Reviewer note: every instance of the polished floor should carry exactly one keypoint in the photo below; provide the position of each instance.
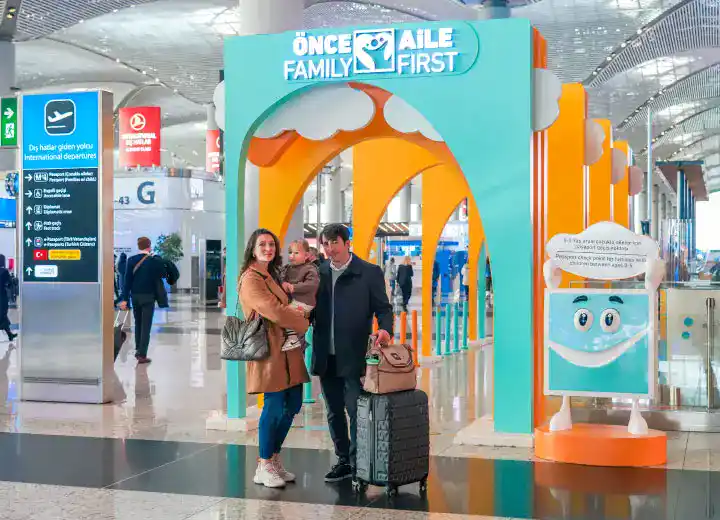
(149, 456)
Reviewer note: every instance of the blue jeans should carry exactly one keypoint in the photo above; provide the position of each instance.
(276, 419)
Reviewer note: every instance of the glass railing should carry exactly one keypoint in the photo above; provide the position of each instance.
(688, 349)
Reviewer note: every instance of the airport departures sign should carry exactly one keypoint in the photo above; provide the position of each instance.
(8, 122)
(59, 192)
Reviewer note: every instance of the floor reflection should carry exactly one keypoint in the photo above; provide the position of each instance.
(463, 486)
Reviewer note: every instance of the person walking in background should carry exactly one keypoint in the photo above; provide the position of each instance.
(464, 281)
(352, 292)
(281, 376)
(404, 281)
(6, 289)
(391, 275)
(316, 258)
(300, 281)
(142, 284)
(435, 281)
(121, 268)
(116, 279)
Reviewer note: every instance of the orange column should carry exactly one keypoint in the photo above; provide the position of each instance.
(443, 188)
(538, 213)
(566, 166)
(621, 190)
(564, 197)
(600, 186)
(477, 237)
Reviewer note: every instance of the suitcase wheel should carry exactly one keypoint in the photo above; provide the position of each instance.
(423, 486)
(392, 491)
(359, 486)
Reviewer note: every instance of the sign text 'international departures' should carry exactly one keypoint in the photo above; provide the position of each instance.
(139, 136)
(60, 187)
(421, 51)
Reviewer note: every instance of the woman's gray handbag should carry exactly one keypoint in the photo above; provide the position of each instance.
(245, 340)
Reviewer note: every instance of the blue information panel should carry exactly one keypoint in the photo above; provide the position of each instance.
(59, 196)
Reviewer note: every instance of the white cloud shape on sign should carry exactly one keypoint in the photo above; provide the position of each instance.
(604, 251)
(619, 165)
(636, 180)
(219, 101)
(594, 138)
(547, 89)
(320, 113)
(404, 118)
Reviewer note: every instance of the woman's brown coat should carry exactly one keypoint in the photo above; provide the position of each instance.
(282, 370)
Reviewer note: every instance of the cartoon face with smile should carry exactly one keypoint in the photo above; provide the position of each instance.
(598, 335)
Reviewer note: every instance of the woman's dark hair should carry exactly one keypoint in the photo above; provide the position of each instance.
(249, 258)
(2, 260)
(335, 231)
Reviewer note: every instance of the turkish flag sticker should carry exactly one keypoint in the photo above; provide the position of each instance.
(40, 254)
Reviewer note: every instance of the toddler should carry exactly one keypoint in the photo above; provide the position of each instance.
(300, 280)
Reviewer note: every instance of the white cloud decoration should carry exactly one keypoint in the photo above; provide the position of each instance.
(594, 138)
(320, 113)
(619, 165)
(219, 101)
(604, 251)
(547, 89)
(407, 120)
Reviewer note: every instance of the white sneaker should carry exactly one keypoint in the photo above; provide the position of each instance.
(266, 474)
(284, 474)
(291, 343)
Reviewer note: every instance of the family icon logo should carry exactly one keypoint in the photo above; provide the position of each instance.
(373, 51)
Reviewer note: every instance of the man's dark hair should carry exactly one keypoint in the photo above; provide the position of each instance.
(144, 243)
(335, 231)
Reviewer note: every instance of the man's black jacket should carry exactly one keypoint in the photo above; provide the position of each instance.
(359, 295)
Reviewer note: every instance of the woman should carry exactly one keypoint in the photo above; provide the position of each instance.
(391, 275)
(404, 281)
(5, 289)
(281, 376)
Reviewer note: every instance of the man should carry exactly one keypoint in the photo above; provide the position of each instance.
(143, 283)
(351, 292)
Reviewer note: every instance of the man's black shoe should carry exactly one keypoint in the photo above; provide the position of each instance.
(339, 472)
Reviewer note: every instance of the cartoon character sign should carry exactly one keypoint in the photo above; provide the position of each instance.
(601, 342)
(598, 342)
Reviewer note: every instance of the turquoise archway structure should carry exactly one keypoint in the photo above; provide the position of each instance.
(479, 99)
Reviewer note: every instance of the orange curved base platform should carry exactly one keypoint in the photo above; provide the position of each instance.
(601, 445)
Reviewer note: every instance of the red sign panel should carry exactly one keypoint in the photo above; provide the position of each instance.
(212, 151)
(40, 254)
(139, 136)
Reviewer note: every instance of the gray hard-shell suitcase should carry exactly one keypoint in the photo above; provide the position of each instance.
(393, 440)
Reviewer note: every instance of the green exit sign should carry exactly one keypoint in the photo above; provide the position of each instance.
(8, 122)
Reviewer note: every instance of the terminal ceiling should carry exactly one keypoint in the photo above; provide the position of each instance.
(634, 56)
